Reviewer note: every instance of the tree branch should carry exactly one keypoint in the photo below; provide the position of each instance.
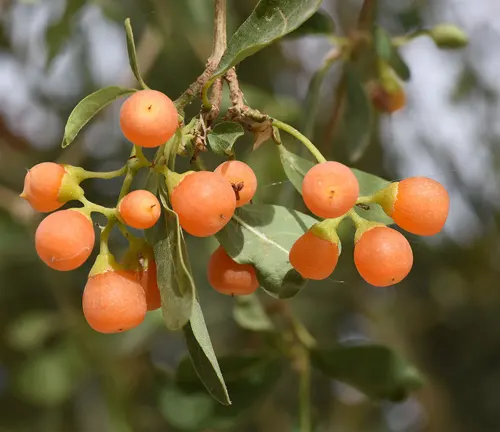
(218, 48)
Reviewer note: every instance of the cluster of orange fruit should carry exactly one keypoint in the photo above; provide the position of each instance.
(117, 296)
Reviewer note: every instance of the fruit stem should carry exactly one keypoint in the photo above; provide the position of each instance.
(103, 244)
(96, 208)
(359, 222)
(84, 174)
(302, 138)
(367, 199)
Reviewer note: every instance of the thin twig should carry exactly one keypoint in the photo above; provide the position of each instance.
(235, 93)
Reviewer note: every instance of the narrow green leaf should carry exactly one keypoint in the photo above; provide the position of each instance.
(390, 54)
(357, 115)
(269, 21)
(296, 167)
(88, 107)
(320, 23)
(132, 55)
(203, 356)
(57, 34)
(250, 315)
(375, 370)
(175, 280)
(262, 235)
(223, 137)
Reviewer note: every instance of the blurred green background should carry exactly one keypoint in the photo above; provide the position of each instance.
(57, 375)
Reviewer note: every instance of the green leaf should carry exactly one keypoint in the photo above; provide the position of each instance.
(185, 411)
(262, 235)
(269, 21)
(31, 330)
(132, 55)
(88, 107)
(175, 280)
(296, 167)
(320, 23)
(223, 136)
(250, 315)
(368, 185)
(390, 54)
(373, 369)
(58, 33)
(357, 114)
(203, 356)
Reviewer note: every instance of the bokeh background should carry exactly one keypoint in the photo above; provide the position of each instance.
(57, 375)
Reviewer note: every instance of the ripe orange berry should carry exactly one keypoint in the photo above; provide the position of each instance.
(139, 209)
(242, 180)
(419, 205)
(314, 257)
(330, 189)
(41, 186)
(149, 283)
(383, 256)
(228, 277)
(114, 301)
(65, 239)
(204, 202)
(148, 118)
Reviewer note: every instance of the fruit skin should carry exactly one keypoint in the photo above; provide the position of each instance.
(330, 189)
(149, 283)
(383, 256)
(242, 179)
(388, 101)
(228, 277)
(204, 201)
(419, 205)
(314, 257)
(47, 186)
(114, 301)
(139, 209)
(148, 118)
(65, 239)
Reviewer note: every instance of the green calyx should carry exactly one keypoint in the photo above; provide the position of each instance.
(386, 197)
(172, 179)
(104, 262)
(70, 185)
(327, 230)
(448, 36)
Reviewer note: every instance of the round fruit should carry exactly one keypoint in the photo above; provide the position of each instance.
(41, 186)
(65, 239)
(149, 283)
(388, 101)
(242, 180)
(139, 209)
(330, 189)
(148, 118)
(419, 205)
(114, 301)
(314, 257)
(204, 202)
(228, 277)
(383, 256)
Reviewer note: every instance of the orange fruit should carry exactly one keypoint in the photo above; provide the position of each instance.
(149, 282)
(114, 301)
(419, 205)
(148, 118)
(383, 256)
(330, 189)
(205, 203)
(139, 209)
(41, 186)
(314, 257)
(65, 239)
(229, 277)
(242, 180)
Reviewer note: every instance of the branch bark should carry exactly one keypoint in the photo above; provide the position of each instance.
(218, 47)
